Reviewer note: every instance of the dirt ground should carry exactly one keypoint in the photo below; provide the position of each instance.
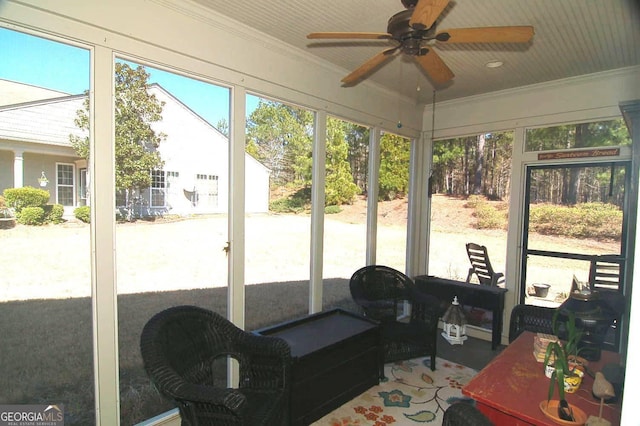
(54, 261)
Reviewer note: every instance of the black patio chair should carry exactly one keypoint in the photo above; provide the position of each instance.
(381, 292)
(537, 319)
(185, 347)
(464, 414)
(481, 266)
(606, 272)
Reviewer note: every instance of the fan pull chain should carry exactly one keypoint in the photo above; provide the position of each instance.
(433, 116)
(399, 125)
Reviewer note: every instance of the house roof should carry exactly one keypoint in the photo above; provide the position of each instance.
(48, 121)
(15, 93)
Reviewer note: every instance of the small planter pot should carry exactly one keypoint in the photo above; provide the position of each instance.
(572, 381)
(7, 222)
(550, 409)
(542, 290)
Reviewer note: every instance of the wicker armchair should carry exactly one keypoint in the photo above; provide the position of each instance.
(381, 292)
(533, 318)
(463, 414)
(185, 350)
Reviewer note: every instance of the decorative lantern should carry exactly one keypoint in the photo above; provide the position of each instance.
(455, 324)
(42, 180)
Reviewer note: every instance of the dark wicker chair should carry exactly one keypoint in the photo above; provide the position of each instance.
(381, 292)
(481, 266)
(532, 318)
(185, 350)
(464, 414)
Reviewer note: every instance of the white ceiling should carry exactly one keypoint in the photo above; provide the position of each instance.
(572, 38)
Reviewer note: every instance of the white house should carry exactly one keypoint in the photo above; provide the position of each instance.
(34, 135)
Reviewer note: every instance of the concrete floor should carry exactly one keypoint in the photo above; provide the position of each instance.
(474, 353)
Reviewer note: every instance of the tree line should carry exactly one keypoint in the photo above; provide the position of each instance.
(481, 165)
(478, 165)
(280, 136)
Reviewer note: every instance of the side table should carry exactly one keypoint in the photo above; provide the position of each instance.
(510, 388)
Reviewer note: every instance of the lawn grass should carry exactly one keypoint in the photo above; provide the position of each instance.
(47, 355)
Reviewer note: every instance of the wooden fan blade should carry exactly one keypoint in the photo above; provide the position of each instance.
(435, 67)
(426, 12)
(364, 36)
(487, 35)
(368, 66)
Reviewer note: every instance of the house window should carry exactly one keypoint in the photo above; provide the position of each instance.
(64, 184)
(121, 198)
(82, 186)
(158, 188)
(207, 190)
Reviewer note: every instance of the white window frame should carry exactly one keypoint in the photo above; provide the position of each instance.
(61, 185)
(159, 191)
(83, 185)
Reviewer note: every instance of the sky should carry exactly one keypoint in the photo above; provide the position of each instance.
(52, 65)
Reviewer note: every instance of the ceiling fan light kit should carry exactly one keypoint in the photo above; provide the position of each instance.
(494, 64)
(414, 30)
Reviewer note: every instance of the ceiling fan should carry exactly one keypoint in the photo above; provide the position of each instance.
(415, 32)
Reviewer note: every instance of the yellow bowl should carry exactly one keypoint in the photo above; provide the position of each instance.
(572, 383)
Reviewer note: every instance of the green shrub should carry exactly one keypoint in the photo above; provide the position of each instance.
(549, 219)
(282, 205)
(296, 203)
(2, 202)
(588, 220)
(340, 190)
(474, 200)
(31, 216)
(83, 213)
(489, 217)
(28, 196)
(53, 213)
(332, 210)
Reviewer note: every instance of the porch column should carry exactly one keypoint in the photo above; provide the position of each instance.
(18, 169)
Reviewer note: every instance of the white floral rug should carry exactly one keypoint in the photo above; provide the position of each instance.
(411, 393)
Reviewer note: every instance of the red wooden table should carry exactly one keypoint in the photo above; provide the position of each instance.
(510, 388)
